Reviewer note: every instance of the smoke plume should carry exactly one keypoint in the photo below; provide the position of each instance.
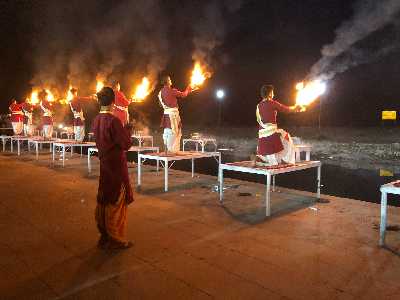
(79, 41)
(370, 17)
(209, 28)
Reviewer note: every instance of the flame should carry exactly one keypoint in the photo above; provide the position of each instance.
(307, 93)
(50, 96)
(69, 94)
(198, 76)
(142, 90)
(99, 85)
(34, 99)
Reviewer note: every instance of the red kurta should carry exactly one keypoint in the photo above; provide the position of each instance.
(16, 112)
(46, 108)
(121, 107)
(76, 107)
(268, 110)
(27, 108)
(112, 140)
(169, 97)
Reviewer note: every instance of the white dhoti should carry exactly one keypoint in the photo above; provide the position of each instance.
(79, 133)
(287, 155)
(18, 127)
(171, 140)
(29, 129)
(48, 131)
(172, 136)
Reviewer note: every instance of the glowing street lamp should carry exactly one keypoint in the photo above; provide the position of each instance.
(220, 94)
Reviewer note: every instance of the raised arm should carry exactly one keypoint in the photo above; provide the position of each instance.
(183, 94)
(287, 109)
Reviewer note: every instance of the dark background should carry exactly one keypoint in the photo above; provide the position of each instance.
(262, 42)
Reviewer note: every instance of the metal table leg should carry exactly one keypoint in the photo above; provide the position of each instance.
(63, 154)
(166, 175)
(268, 197)
(192, 167)
(383, 218)
(139, 178)
(88, 162)
(221, 184)
(37, 150)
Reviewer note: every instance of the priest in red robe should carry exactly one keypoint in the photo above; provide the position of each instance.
(47, 117)
(115, 191)
(17, 117)
(76, 106)
(29, 128)
(121, 104)
(171, 120)
(275, 146)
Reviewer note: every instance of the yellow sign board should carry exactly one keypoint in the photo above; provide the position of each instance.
(385, 173)
(389, 115)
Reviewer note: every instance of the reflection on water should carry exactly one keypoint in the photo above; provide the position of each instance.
(360, 184)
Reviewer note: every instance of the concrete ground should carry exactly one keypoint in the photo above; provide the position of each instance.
(187, 246)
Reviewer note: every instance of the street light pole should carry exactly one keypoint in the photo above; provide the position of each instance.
(219, 113)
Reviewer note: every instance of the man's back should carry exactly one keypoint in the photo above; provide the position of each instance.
(110, 135)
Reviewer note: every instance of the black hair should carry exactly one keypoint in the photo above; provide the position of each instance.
(106, 96)
(73, 90)
(265, 90)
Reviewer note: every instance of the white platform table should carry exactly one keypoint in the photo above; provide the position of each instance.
(165, 159)
(389, 188)
(4, 139)
(64, 145)
(200, 141)
(142, 138)
(299, 148)
(40, 141)
(137, 149)
(18, 139)
(248, 167)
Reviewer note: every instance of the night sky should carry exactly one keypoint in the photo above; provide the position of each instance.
(246, 43)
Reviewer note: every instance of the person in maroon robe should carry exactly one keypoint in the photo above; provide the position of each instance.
(121, 104)
(274, 145)
(17, 117)
(76, 106)
(47, 117)
(171, 120)
(29, 128)
(114, 191)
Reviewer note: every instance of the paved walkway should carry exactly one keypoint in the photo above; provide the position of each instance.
(186, 245)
